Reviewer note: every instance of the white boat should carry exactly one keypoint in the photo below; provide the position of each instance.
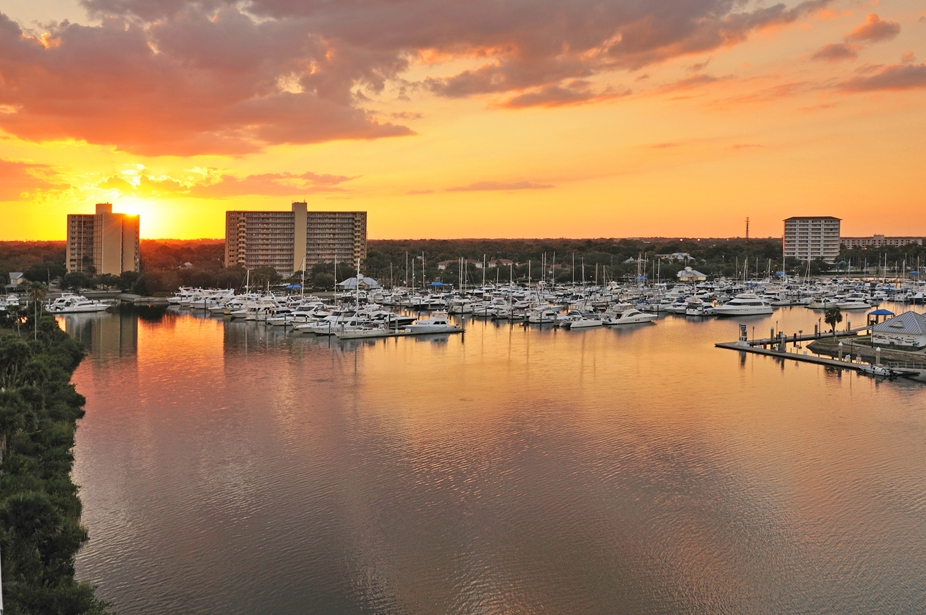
(822, 303)
(438, 323)
(586, 322)
(77, 304)
(853, 301)
(630, 316)
(744, 304)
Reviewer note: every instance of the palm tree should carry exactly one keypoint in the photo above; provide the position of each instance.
(37, 293)
(832, 317)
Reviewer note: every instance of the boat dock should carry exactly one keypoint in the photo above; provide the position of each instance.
(776, 347)
(798, 337)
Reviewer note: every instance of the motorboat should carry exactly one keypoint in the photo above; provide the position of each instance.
(586, 322)
(629, 316)
(77, 304)
(438, 323)
(744, 304)
(853, 301)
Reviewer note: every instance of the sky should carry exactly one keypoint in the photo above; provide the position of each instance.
(450, 119)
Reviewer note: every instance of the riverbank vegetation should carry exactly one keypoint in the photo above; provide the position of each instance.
(40, 530)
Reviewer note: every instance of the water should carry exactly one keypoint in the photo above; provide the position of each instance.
(227, 468)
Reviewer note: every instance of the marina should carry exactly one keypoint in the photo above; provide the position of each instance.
(301, 472)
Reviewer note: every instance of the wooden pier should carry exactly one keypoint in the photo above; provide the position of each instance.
(846, 363)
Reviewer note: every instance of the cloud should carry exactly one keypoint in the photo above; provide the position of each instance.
(698, 67)
(24, 178)
(494, 185)
(874, 30)
(413, 192)
(191, 85)
(690, 83)
(827, 14)
(908, 58)
(894, 78)
(741, 146)
(221, 186)
(577, 93)
(820, 107)
(191, 77)
(837, 52)
(665, 145)
(269, 184)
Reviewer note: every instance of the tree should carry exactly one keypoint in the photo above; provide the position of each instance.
(74, 281)
(37, 294)
(832, 317)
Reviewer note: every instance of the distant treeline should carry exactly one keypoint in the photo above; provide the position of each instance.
(40, 530)
(169, 264)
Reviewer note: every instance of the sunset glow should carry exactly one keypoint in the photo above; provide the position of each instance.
(472, 119)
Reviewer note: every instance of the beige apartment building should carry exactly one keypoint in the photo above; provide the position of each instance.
(879, 241)
(103, 242)
(285, 239)
(809, 238)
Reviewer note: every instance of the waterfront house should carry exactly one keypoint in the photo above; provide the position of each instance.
(690, 275)
(907, 330)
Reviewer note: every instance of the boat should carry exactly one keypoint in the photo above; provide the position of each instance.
(586, 322)
(744, 304)
(77, 304)
(629, 316)
(438, 323)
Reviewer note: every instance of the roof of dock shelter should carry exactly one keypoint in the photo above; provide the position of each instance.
(365, 282)
(909, 323)
(881, 312)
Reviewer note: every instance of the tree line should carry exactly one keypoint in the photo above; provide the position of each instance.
(168, 264)
(40, 530)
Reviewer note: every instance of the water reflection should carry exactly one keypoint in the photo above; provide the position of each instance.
(232, 467)
(106, 335)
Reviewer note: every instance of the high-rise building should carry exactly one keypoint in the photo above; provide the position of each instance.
(879, 241)
(809, 238)
(285, 239)
(103, 242)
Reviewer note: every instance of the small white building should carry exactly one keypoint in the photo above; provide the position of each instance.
(907, 330)
(690, 275)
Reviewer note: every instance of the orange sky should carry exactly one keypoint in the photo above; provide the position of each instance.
(442, 118)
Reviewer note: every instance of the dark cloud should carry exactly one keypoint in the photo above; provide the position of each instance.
(494, 185)
(19, 178)
(698, 67)
(556, 96)
(690, 83)
(836, 52)
(895, 77)
(874, 30)
(186, 77)
(192, 85)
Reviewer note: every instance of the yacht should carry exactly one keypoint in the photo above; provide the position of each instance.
(586, 322)
(744, 304)
(438, 323)
(629, 316)
(76, 304)
(853, 301)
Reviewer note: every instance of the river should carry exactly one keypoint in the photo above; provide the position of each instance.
(231, 468)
